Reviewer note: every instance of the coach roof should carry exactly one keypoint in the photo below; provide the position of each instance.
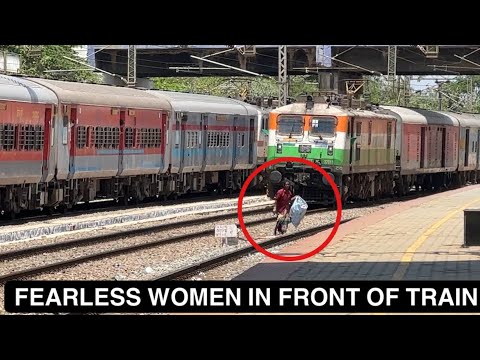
(204, 103)
(93, 94)
(421, 116)
(20, 89)
(465, 119)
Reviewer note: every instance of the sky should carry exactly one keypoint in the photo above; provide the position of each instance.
(428, 82)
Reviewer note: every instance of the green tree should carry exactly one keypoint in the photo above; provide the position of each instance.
(36, 60)
(380, 91)
(235, 87)
(459, 94)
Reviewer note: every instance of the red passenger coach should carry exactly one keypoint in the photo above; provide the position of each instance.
(144, 146)
(426, 148)
(22, 141)
(26, 111)
(111, 144)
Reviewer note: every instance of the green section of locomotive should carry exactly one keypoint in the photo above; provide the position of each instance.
(309, 183)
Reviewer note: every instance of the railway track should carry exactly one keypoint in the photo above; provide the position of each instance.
(107, 205)
(122, 250)
(190, 270)
(7, 255)
(165, 240)
(233, 255)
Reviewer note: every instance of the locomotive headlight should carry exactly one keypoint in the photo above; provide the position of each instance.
(330, 150)
(324, 179)
(279, 148)
(276, 176)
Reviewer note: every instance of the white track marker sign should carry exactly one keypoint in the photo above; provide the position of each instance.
(228, 234)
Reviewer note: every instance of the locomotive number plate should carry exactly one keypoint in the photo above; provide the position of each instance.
(304, 148)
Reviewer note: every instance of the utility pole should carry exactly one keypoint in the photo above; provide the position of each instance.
(440, 97)
(282, 75)
(440, 94)
(406, 86)
(392, 68)
(132, 66)
(470, 93)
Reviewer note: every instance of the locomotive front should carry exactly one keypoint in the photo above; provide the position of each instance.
(313, 131)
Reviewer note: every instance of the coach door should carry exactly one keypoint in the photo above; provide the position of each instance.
(444, 145)
(46, 137)
(163, 135)
(351, 139)
(73, 134)
(204, 130)
(251, 139)
(121, 142)
(358, 141)
(182, 130)
(422, 147)
(233, 144)
(467, 146)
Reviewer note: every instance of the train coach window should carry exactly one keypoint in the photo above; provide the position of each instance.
(115, 137)
(27, 138)
(192, 139)
(144, 138)
(107, 137)
(7, 137)
(291, 125)
(39, 137)
(99, 137)
(157, 141)
(128, 138)
(241, 140)
(148, 138)
(81, 137)
(90, 136)
(210, 139)
(322, 126)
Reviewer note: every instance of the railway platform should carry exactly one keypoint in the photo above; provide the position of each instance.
(419, 239)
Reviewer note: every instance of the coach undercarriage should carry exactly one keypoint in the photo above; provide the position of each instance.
(63, 195)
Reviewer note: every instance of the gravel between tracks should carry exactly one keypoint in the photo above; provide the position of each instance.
(17, 264)
(150, 263)
(48, 227)
(17, 245)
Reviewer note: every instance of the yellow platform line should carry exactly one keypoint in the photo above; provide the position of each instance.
(408, 255)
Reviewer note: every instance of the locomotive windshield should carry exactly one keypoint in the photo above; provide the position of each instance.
(323, 126)
(291, 125)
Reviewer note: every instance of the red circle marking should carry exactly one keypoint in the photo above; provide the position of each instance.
(337, 198)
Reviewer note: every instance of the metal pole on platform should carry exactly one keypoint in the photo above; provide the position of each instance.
(132, 66)
(282, 75)
(392, 68)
